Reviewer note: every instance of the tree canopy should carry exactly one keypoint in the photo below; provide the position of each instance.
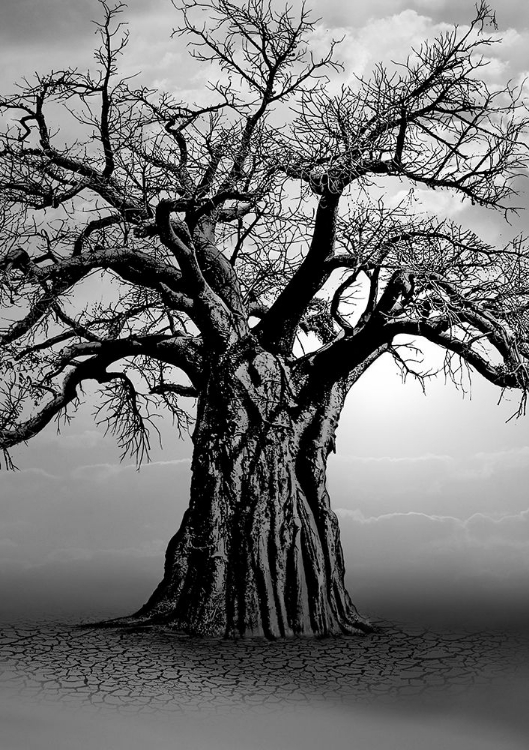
(141, 236)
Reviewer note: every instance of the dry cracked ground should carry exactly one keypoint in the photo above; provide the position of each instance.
(70, 688)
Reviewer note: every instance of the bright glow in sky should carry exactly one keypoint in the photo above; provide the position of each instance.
(423, 483)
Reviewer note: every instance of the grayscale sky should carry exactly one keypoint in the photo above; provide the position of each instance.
(431, 489)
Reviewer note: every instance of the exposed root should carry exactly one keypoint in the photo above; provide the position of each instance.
(164, 623)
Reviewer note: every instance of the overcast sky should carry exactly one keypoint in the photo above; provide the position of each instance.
(430, 490)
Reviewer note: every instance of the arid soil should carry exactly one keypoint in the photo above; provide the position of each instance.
(401, 680)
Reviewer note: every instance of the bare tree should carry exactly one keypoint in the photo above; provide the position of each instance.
(222, 239)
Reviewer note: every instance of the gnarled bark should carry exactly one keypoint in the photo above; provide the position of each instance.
(258, 552)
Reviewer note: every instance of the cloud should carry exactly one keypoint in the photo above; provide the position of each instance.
(59, 34)
(98, 472)
(7, 544)
(384, 39)
(442, 204)
(487, 464)
(430, 545)
(509, 13)
(103, 472)
(404, 460)
(399, 565)
(42, 23)
(93, 509)
(18, 486)
(430, 4)
(81, 441)
(31, 474)
(435, 484)
(438, 569)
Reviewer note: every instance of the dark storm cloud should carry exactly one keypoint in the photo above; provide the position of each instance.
(40, 36)
(57, 34)
(48, 23)
(26, 22)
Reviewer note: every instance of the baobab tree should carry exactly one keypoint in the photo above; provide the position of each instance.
(239, 251)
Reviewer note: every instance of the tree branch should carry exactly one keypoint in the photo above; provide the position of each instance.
(277, 329)
(217, 323)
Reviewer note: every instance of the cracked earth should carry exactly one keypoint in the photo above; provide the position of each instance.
(403, 669)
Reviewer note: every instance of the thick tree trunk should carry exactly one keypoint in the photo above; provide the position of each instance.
(258, 552)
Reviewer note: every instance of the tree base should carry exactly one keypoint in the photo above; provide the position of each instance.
(362, 627)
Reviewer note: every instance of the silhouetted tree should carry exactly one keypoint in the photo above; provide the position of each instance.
(215, 242)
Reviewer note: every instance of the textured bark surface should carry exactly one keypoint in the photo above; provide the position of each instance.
(258, 552)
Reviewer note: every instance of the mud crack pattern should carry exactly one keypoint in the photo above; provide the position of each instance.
(151, 671)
